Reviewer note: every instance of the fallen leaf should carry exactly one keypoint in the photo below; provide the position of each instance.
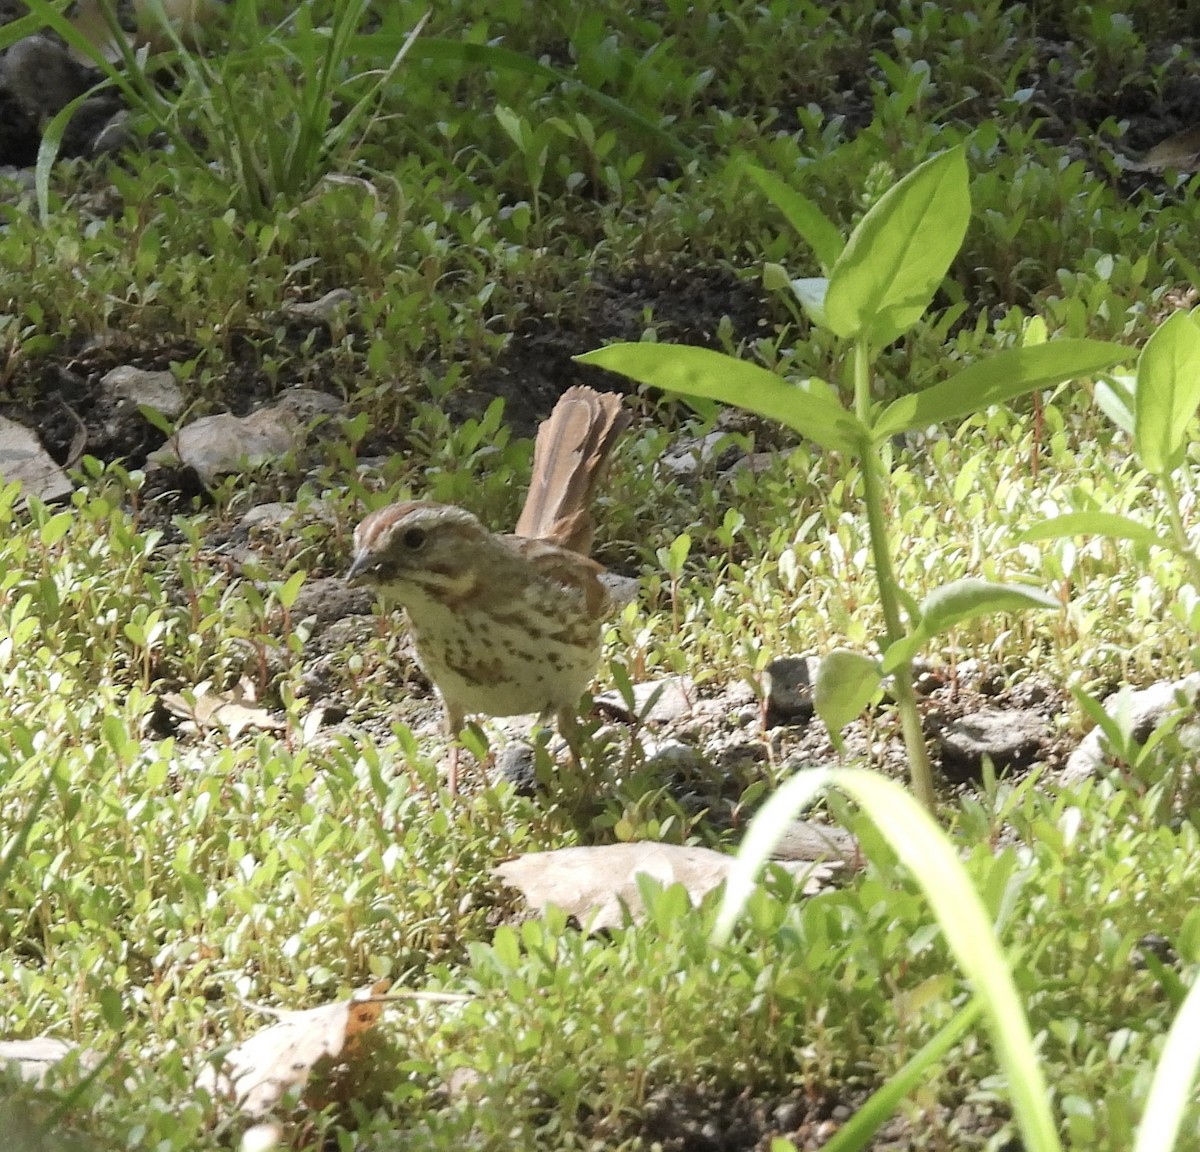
(1180, 152)
(597, 884)
(259, 1072)
(331, 307)
(233, 711)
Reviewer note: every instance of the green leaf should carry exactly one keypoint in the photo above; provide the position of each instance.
(485, 56)
(846, 681)
(1096, 524)
(18, 29)
(1171, 1088)
(1001, 377)
(1114, 395)
(959, 601)
(897, 256)
(1168, 390)
(811, 408)
(1119, 741)
(933, 859)
(512, 125)
(112, 1010)
(775, 277)
(49, 147)
(817, 230)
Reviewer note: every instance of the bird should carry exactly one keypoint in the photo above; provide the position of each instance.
(507, 624)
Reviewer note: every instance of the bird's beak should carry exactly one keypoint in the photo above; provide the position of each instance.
(358, 569)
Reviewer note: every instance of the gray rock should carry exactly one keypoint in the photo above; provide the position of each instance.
(18, 180)
(217, 445)
(692, 454)
(157, 390)
(1010, 739)
(805, 840)
(671, 757)
(42, 75)
(672, 701)
(789, 683)
(330, 598)
(115, 136)
(516, 763)
(1145, 709)
(23, 458)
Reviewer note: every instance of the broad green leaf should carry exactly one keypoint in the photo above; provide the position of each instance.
(811, 292)
(1114, 395)
(1095, 524)
(1171, 1088)
(1010, 373)
(810, 408)
(23, 831)
(511, 123)
(1168, 390)
(775, 277)
(897, 256)
(846, 681)
(816, 229)
(957, 602)
(928, 853)
(1035, 332)
(1108, 723)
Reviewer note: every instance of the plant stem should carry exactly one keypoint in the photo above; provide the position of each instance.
(1178, 530)
(862, 380)
(885, 576)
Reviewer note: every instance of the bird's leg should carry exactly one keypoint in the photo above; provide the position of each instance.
(454, 727)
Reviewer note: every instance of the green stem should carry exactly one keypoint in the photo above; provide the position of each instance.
(1178, 530)
(862, 381)
(885, 576)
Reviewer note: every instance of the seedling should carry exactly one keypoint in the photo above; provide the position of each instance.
(877, 286)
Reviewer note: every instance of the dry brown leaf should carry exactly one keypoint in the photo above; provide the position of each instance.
(595, 884)
(1180, 152)
(261, 1070)
(234, 710)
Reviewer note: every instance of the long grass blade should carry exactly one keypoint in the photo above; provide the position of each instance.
(928, 853)
(856, 1133)
(1171, 1088)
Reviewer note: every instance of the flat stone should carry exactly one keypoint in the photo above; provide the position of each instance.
(157, 390)
(1009, 738)
(23, 458)
(1143, 709)
(673, 700)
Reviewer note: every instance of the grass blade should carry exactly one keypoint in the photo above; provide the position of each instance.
(1171, 1088)
(882, 1104)
(928, 853)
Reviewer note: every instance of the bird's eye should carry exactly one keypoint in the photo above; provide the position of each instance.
(414, 539)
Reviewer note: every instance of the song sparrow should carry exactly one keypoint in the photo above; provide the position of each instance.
(505, 625)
